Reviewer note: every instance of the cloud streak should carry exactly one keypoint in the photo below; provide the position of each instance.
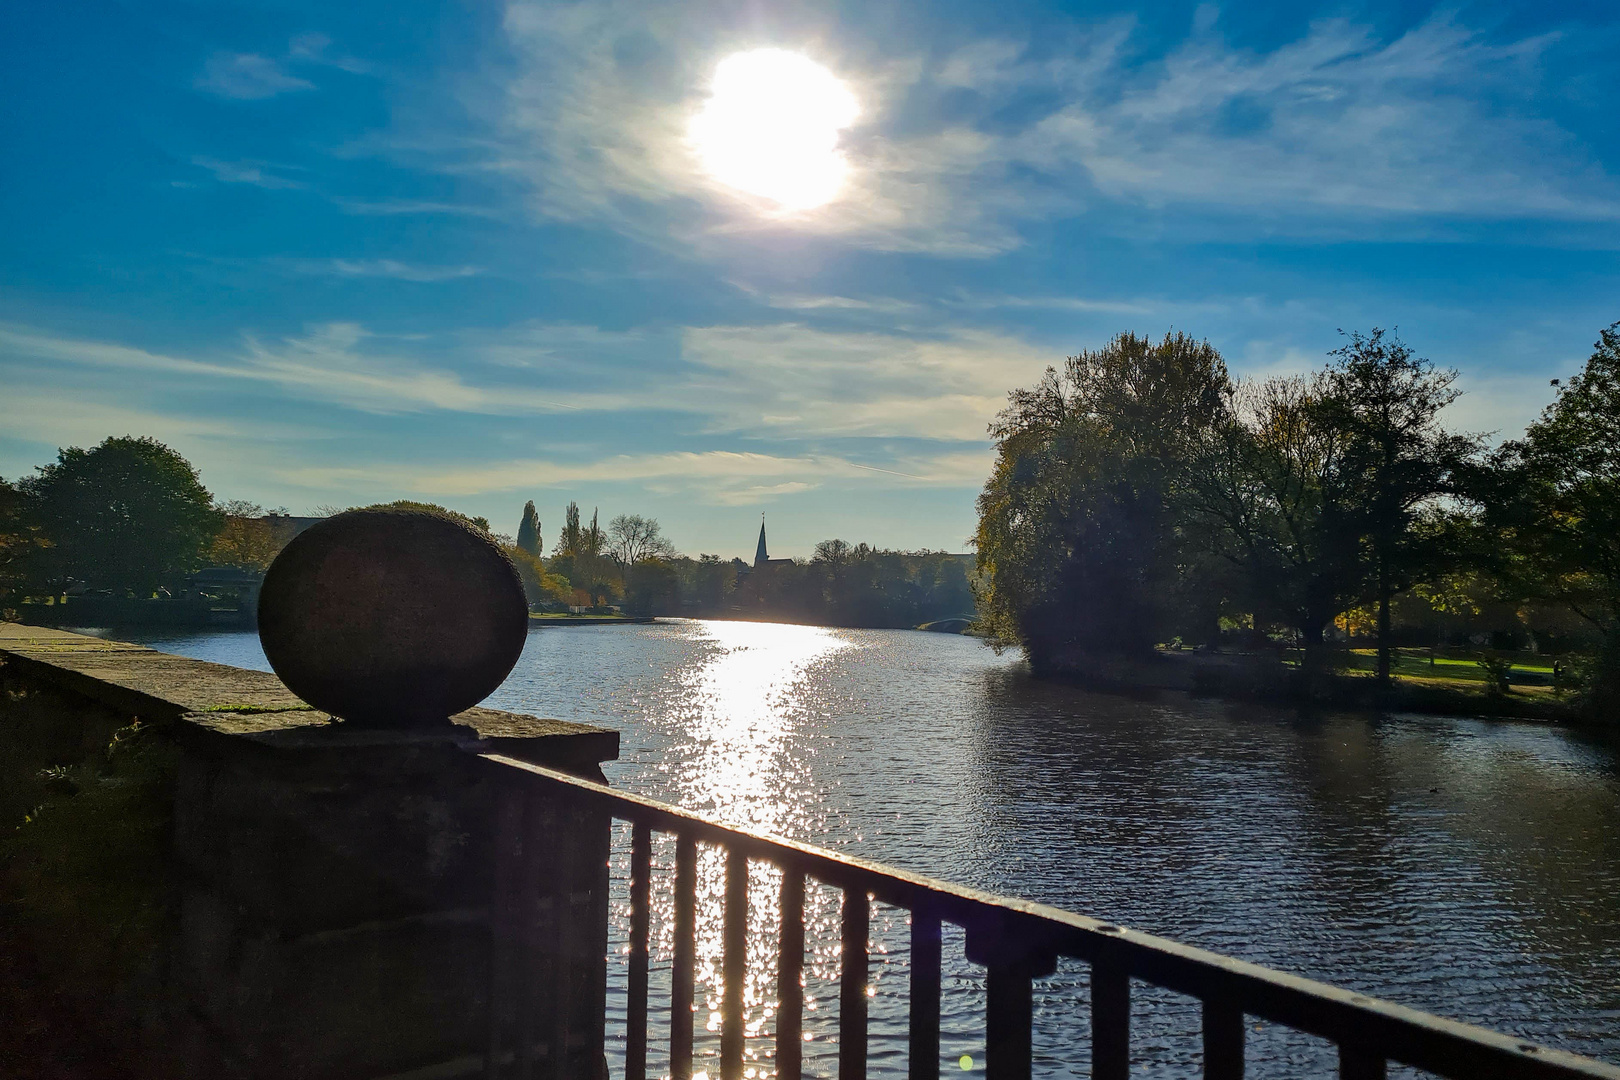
(719, 477)
(247, 77)
(328, 365)
(957, 154)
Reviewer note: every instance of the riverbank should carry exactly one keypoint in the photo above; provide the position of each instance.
(539, 618)
(1452, 690)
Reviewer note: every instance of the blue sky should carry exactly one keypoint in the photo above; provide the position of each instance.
(341, 253)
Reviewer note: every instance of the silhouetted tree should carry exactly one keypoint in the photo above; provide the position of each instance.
(1396, 459)
(129, 514)
(1269, 496)
(633, 539)
(528, 534)
(1554, 515)
(21, 540)
(1079, 540)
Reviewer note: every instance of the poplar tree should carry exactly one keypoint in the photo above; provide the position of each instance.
(528, 534)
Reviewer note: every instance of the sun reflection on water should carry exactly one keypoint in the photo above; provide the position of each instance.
(743, 705)
(744, 718)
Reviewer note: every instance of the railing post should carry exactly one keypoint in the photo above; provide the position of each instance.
(852, 986)
(1358, 1063)
(681, 976)
(735, 966)
(635, 1013)
(789, 967)
(1007, 1020)
(1110, 1021)
(1013, 958)
(925, 945)
(1223, 1042)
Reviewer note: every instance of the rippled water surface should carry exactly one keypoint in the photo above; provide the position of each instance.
(1463, 867)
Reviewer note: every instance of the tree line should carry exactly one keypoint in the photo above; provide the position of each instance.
(131, 518)
(1142, 495)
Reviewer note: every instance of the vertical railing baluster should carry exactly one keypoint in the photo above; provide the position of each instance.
(852, 987)
(680, 979)
(504, 925)
(635, 1012)
(1110, 1022)
(563, 973)
(924, 1063)
(1223, 1042)
(529, 918)
(734, 963)
(1007, 1021)
(789, 969)
(1356, 1063)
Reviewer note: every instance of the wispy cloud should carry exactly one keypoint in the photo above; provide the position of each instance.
(335, 364)
(720, 477)
(45, 414)
(958, 153)
(381, 268)
(254, 77)
(247, 77)
(316, 48)
(794, 379)
(779, 381)
(391, 207)
(256, 173)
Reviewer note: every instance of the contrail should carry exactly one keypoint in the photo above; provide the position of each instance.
(891, 472)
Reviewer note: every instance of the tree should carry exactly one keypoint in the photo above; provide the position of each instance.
(129, 514)
(1396, 459)
(246, 540)
(1556, 515)
(581, 555)
(1267, 488)
(21, 540)
(528, 535)
(633, 539)
(1080, 545)
(832, 552)
(540, 587)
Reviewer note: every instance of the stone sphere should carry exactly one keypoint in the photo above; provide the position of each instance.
(392, 617)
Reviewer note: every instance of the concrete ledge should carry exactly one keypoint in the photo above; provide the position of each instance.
(258, 707)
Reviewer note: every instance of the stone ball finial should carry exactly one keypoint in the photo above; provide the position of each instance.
(392, 617)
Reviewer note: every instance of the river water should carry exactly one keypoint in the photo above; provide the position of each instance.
(1464, 867)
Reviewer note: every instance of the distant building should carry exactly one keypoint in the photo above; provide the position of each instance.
(762, 557)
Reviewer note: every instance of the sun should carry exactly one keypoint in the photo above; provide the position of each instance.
(771, 128)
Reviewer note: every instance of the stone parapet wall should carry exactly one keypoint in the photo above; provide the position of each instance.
(329, 888)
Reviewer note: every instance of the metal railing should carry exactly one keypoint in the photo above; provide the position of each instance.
(1017, 941)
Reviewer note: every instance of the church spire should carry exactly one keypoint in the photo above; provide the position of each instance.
(761, 556)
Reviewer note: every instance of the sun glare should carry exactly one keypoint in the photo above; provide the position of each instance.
(771, 128)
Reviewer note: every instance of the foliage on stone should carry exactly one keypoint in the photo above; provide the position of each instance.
(479, 523)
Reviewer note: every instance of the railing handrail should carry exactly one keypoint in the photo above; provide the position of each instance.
(1445, 1047)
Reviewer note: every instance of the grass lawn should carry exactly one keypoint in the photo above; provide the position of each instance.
(1460, 674)
(544, 615)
